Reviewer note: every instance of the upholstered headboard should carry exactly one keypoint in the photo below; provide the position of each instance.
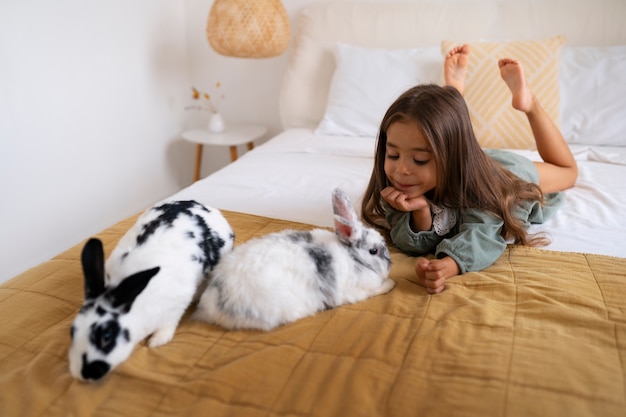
(427, 23)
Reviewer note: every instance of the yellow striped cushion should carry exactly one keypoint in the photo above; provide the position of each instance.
(496, 123)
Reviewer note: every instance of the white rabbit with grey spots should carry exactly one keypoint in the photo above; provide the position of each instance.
(288, 275)
(147, 283)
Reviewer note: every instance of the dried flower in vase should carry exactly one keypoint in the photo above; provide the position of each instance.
(207, 102)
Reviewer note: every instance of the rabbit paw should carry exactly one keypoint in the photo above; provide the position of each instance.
(161, 336)
(387, 286)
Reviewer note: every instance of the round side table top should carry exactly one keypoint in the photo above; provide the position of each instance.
(232, 136)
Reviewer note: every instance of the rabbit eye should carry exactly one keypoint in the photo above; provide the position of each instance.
(105, 335)
(374, 251)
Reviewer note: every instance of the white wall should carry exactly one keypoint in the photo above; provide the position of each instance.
(91, 94)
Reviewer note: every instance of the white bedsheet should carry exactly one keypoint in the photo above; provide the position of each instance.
(291, 177)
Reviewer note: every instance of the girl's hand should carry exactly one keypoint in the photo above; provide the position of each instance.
(433, 273)
(402, 202)
(417, 206)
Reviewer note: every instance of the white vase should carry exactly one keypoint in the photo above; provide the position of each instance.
(216, 123)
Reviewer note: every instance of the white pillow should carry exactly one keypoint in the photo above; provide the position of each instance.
(593, 95)
(366, 81)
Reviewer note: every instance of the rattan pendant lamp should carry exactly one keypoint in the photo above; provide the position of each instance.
(248, 28)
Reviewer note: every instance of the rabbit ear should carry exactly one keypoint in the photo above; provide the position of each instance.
(125, 293)
(92, 259)
(347, 225)
(342, 206)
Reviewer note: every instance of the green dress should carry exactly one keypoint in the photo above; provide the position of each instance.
(474, 241)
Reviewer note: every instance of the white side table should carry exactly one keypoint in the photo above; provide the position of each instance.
(233, 136)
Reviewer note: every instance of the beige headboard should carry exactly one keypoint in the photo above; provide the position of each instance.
(426, 23)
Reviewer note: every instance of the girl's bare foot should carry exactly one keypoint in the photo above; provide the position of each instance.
(455, 66)
(558, 171)
(512, 73)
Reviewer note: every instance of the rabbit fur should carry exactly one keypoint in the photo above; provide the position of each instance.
(287, 275)
(146, 285)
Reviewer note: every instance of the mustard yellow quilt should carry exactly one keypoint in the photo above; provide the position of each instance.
(539, 333)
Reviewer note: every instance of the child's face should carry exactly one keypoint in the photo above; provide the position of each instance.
(409, 162)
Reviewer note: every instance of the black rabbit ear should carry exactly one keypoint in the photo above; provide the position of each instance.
(124, 294)
(92, 259)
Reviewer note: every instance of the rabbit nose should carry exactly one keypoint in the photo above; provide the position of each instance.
(94, 370)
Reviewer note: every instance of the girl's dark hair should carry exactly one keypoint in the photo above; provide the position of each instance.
(466, 176)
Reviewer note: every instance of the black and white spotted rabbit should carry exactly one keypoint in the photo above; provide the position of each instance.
(146, 285)
(285, 276)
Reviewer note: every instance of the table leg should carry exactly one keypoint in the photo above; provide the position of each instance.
(196, 172)
(250, 146)
(233, 153)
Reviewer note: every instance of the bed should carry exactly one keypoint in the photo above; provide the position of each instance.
(540, 332)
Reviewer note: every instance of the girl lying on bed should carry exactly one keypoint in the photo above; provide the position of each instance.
(433, 189)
